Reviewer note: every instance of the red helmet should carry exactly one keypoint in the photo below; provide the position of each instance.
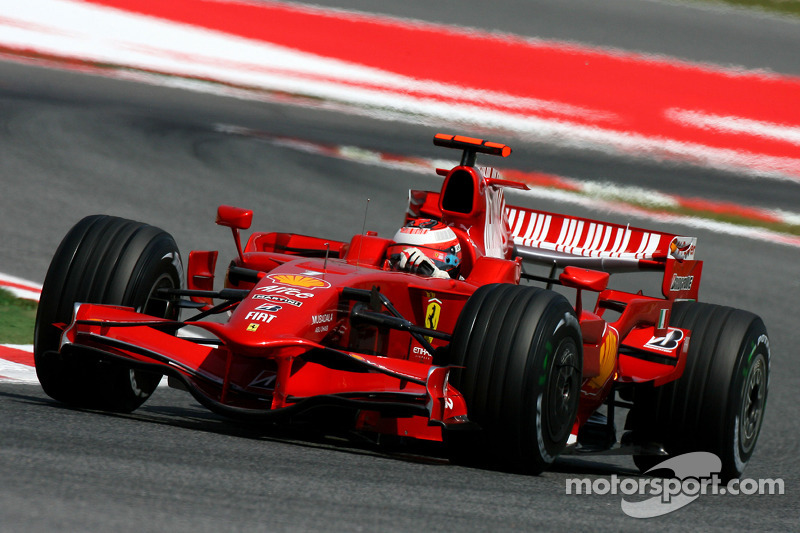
(434, 238)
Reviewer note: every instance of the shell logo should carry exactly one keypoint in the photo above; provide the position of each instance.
(608, 358)
(296, 280)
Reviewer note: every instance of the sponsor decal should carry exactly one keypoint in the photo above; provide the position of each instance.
(608, 356)
(663, 319)
(325, 319)
(432, 313)
(322, 319)
(419, 227)
(272, 308)
(252, 327)
(259, 316)
(297, 280)
(667, 343)
(419, 350)
(414, 231)
(683, 248)
(681, 283)
(264, 380)
(279, 299)
(289, 291)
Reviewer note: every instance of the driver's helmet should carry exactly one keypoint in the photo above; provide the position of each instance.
(435, 239)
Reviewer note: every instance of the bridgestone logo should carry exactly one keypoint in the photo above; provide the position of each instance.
(681, 283)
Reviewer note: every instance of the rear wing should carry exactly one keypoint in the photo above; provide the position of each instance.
(560, 241)
(549, 238)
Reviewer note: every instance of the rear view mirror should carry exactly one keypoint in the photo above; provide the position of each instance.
(234, 217)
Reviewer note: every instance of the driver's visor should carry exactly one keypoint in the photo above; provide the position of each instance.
(443, 259)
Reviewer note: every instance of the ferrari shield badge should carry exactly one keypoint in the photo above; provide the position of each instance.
(432, 313)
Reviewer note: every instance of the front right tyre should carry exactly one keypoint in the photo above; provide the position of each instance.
(104, 260)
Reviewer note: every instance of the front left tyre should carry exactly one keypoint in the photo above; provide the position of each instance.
(104, 260)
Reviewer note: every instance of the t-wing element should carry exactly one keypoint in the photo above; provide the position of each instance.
(471, 147)
(583, 279)
(237, 219)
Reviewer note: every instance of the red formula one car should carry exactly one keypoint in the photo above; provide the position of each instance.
(499, 370)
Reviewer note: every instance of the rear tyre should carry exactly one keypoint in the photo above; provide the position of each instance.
(105, 260)
(717, 405)
(520, 349)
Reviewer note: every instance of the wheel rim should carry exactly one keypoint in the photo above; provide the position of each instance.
(139, 386)
(159, 306)
(563, 392)
(142, 383)
(752, 408)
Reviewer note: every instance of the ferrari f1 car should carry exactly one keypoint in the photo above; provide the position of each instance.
(500, 370)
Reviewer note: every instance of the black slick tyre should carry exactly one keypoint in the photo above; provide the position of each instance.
(521, 358)
(717, 405)
(107, 260)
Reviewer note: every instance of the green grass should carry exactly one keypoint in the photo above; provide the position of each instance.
(17, 317)
(786, 7)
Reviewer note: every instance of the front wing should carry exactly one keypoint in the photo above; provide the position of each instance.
(270, 380)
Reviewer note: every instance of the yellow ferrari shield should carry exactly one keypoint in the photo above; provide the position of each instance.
(432, 313)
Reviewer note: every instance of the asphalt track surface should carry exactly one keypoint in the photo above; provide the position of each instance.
(75, 145)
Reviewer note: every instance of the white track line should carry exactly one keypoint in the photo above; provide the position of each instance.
(108, 36)
(21, 288)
